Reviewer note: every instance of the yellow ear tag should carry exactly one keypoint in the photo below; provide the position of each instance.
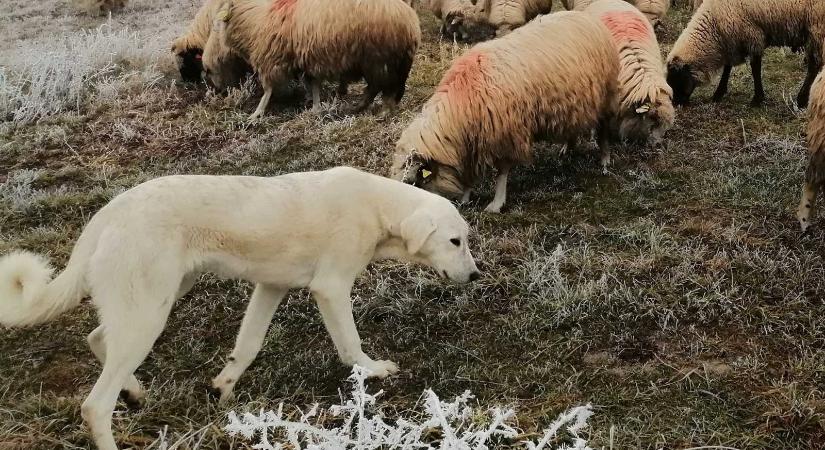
(224, 15)
(426, 173)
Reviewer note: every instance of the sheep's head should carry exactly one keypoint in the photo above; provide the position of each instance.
(222, 66)
(682, 79)
(413, 168)
(470, 23)
(188, 60)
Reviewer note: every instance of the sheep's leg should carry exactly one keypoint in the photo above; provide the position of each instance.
(722, 89)
(758, 88)
(466, 197)
(806, 205)
(569, 147)
(259, 112)
(316, 95)
(343, 89)
(604, 146)
(366, 100)
(813, 70)
(501, 190)
(389, 103)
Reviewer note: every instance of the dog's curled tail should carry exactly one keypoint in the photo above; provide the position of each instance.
(29, 295)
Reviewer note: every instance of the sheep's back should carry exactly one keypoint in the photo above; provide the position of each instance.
(330, 38)
(554, 78)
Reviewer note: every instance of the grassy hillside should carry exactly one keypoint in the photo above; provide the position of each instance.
(675, 293)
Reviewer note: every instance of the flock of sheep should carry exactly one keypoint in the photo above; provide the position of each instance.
(557, 76)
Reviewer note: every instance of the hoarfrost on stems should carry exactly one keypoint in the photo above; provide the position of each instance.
(361, 425)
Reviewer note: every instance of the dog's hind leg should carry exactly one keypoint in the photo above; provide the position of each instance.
(132, 392)
(130, 335)
(336, 309)
(262, 306)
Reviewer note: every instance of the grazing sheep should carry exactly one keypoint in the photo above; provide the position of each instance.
(646, 107)
(654, 10)
(815, 174)
(503, 16)
(452, 14)
(725, 33)
(188, 49)
(345, 40)
(554, 78)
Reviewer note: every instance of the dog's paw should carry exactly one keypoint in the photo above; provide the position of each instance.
(381, 369)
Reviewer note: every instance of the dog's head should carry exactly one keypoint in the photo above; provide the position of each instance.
(682, 79)
(436, 235)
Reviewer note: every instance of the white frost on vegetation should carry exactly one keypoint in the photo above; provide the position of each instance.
(64, 74)
(359, 424)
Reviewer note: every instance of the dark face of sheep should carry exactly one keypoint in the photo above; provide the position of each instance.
(460, 28)
(681, 79)
(189, 64)
(427, 174)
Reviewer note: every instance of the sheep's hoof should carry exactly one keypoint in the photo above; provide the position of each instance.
(757, 102)
(494, 208)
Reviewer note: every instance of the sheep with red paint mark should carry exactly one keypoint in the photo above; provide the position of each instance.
(344, 40)
(188, 49)
(646, 101)
(554, 78)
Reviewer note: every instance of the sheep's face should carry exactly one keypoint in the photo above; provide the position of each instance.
(189, 63)
(430, 175)
(222, 66)
(682, 80)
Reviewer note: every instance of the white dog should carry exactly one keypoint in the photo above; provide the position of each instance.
(146, 248)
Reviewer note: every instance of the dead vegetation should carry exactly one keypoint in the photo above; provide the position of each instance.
(675, 293)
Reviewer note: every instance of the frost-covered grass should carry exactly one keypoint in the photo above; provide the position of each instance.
(71, 71)
(444, 425)
(676, 293)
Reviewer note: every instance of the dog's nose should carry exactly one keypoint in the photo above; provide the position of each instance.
(475, 276)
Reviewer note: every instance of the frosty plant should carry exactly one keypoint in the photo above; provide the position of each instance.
(361, 428)
(63, 73)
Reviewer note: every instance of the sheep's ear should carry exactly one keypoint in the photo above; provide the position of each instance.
(415, 170)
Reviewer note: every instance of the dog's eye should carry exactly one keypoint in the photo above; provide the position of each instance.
(456, 242)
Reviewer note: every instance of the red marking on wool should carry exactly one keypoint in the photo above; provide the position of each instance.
(284, 8)
(626, 26)
(465, 76)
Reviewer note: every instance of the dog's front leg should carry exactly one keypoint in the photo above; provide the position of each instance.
(262, 306)
(336, 309)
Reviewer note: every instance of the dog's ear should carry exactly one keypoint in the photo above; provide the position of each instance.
(416, 229)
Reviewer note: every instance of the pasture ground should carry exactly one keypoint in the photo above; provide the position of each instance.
(676, 293)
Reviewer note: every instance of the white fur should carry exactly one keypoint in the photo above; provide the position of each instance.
(145, 249)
